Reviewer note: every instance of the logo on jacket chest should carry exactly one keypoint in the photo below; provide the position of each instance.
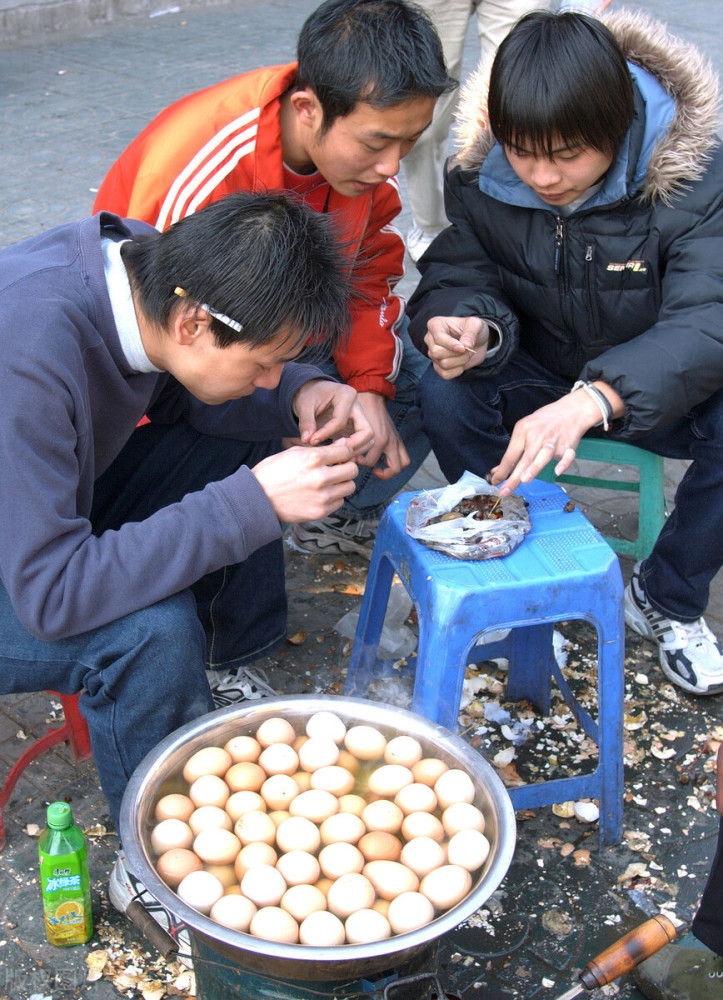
(630, 265)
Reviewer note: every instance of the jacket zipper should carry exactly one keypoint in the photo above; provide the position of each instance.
(592, 298)
(559, 236)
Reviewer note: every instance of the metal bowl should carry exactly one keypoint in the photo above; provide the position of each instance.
(159, 773)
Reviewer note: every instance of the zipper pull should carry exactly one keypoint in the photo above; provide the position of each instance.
(588, 254)
(558, 243)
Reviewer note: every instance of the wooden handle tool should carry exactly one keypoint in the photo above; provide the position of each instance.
(624, 955)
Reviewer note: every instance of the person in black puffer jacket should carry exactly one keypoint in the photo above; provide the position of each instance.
(579, 289)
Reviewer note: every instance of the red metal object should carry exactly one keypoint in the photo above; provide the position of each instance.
(74, 731)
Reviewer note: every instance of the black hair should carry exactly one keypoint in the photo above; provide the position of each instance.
(382, 52)
(265, 261)
(560, 77)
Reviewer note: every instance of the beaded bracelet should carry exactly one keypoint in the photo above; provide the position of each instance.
(603, 403)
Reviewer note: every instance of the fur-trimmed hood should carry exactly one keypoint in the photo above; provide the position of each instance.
(681, 155)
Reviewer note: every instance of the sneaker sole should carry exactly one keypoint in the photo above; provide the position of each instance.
(335, 547)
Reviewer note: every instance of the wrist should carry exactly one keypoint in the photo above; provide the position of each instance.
(602, 403)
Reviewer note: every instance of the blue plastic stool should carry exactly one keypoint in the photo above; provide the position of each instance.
(563, 569)
(650, 486)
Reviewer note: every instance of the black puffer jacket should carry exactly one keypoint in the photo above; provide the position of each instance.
(627, 289)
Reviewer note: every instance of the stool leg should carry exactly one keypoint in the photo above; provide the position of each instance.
(441, 661)
(611, 703)
(530, 653)
(78, 735)
(369, 628)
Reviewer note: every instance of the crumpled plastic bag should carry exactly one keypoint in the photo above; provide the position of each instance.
(397, 639)
(466, 536)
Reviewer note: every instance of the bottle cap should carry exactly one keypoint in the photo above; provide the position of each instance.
(60, 815)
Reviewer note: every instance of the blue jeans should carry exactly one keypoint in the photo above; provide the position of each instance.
(142, 676)
(468, 421)
(371, 495)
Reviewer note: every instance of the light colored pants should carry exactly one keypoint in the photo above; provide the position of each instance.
(424, 165)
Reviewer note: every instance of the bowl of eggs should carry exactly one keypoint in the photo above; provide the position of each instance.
(314, 837)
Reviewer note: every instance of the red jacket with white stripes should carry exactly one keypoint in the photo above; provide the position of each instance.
(228, 138)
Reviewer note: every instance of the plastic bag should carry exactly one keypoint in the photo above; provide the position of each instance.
(466, 536)
(397, 639)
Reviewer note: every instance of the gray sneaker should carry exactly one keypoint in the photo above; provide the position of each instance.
(164, 931)
(689, 653)
(229, 687)
(334, 535)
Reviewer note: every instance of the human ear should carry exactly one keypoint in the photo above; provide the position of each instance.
(307, 108)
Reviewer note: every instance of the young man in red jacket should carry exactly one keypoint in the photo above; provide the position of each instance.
(333, 128)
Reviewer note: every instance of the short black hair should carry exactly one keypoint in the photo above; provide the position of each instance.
(560, 77)
(266, 261)
(381, 52)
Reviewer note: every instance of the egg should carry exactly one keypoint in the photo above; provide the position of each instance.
(263, 885)
(382, 815)
(275, 730)
(279, 758)
(242, 802)
(454, 785)
(245, 777)
(209, 816)
(446, 886)
(409, 911)
(174, 806)
(257, 853)
(209, 760)
(462, 816)
(301, 900)
(278, 790)
(390, 878)
(170, 833)
(334, 779)
(200, 890)
(348, 761)
(322, 930)
(388, 779)
(365, 742)
(319, 751)
(253, 826)
(279, 815)
(209, 790)
(366, 926)
(403, 750)
(349, 893)
(233, 911)
(299, 868)
(326, 724)
(323, 885)
(342, 828)
(274, 924)
(174, 865)
(217, 847)
(352, 804)
(340, 859)
(469, 849)
(303, 780)
(315, 805)
(298, 834)
(380, 846)
(381, 906)
(243, 748)
(416, 797)
(422, 824)
(427, 770)
(423, 855)
(225, 874)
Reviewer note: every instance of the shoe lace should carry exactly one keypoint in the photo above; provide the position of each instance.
(694, 632)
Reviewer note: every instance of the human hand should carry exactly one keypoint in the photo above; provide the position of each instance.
(387, 443)
(553, 431)
(456, 343)
(327, 410)
(308, 483)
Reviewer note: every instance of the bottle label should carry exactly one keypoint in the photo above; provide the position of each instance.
(66, 900)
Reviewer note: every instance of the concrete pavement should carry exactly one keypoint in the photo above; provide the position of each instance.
(69, 103)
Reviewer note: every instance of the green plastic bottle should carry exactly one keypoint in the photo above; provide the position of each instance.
(64, 880)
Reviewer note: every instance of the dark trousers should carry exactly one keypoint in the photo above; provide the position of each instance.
(708, 923)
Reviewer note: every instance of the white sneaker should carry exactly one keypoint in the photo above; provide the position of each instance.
(690, 656)
(334, 534)
(131, 898)
(418, 240)
(229, 687)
